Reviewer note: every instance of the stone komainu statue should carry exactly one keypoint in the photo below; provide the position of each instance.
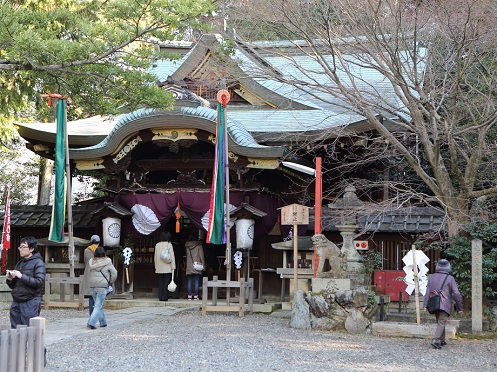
(327, 250)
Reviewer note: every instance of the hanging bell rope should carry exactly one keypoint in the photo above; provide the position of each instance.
(178, 217)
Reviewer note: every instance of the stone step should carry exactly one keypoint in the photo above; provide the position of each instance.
(402, 329)
(464, 324)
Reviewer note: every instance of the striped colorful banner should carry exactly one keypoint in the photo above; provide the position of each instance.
(216, 232)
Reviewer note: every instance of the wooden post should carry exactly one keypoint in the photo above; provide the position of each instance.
(295, 259)
(204, 296)
(416, 284)
(47, 292)
(39, 324)
(295, 215)
(317, 210)
(69, 204)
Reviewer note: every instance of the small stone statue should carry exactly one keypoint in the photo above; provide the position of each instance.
(327, 250)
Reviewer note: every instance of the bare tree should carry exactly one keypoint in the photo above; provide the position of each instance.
(421, 72)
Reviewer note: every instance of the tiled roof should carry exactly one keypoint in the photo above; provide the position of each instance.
(416, 220)
(406, 220)
(251, 209)
(41, 215)
(116, 207)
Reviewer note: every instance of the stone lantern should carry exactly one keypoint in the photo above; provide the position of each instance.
(347, 206)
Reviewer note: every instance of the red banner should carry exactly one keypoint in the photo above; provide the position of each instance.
(6, 233)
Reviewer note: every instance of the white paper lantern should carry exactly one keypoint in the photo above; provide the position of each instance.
(111, 231)
(244, 233)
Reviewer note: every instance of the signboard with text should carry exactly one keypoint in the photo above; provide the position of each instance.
(295, 214)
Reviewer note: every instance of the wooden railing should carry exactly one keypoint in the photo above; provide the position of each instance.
(246, 289)
(76, 302)
(22, 349)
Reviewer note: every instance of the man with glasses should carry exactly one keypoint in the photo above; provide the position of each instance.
(26, 281)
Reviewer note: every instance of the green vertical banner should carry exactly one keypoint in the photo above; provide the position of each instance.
(59, 203)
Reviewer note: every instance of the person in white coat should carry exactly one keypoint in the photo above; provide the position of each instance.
(165, 264)
(102, 274)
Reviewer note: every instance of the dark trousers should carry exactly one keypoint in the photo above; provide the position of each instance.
(442, 318)
(164, 280)
(21, 312)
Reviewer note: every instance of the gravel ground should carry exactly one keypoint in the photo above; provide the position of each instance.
(189, 341)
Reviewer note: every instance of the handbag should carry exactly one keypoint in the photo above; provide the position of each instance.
(172, 286)
(110, 289)
(198, 266)
(433, 304)
(165, 256)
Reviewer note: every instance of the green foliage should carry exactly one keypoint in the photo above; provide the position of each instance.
(371, 260)
(97, 53)
(128, 242)
(90, 183)
(458, 252)
(19, 171)
(371, 299)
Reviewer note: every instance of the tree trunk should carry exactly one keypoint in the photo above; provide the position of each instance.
(45, 181)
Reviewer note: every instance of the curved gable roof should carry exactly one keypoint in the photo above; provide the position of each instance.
(240, 141)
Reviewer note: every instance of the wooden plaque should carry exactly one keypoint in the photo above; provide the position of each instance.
(295, 214)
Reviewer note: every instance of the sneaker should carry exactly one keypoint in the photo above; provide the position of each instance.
(89, 326)
(189, 297)
(195, 298)
(443, 343)
(436, 344)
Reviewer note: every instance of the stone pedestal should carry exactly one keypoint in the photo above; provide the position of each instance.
(303, 285)
(397, 329)
(476, 286)
(330, 285)
(354, 259)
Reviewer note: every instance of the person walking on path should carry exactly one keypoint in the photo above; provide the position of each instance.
(444, 283)
(165, 264)
(26, 281)
(102, 275)
(194, 258)
(88, 254)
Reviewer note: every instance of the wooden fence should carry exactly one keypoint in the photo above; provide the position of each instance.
(22, 349)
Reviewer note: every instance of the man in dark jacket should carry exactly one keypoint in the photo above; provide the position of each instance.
(26, 282)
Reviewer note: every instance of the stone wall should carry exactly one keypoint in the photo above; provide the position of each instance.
(348, 310)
